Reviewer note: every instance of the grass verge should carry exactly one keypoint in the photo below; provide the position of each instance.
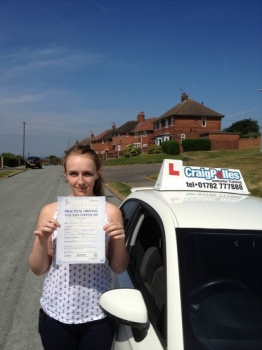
(7, 173)
(142, 159)
(119, 189)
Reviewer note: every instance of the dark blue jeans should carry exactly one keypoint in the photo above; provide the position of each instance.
(96, 335)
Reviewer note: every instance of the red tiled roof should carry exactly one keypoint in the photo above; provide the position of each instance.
(145, 126)
(101, 136)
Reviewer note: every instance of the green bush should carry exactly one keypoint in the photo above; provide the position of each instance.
(170, 147)
(9, 159)
(131, 151)
(154, 149)
(202, 144)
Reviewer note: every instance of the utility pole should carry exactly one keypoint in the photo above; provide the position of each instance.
(23, 141)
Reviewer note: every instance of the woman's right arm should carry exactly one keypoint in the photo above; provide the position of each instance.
(41, 254)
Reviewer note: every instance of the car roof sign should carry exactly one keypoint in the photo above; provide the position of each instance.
(174, 176)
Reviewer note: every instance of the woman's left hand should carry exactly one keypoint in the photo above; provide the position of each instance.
(115, 230)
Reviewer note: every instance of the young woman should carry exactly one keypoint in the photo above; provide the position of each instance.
(70, 317)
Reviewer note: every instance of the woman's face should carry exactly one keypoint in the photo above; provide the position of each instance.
(81, 174)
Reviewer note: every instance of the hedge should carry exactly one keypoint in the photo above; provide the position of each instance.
(170, 147)
(202, 144)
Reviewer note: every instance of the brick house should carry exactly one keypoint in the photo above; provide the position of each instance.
(103, 142)
(122, 136)
(188, 119)
(139, 133)
(143, 132)
(135, 132)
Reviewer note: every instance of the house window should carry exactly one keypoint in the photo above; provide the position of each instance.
(118, 134)
(159, 125)
(144, 133)
(166, 138)
(136, 134)
(172, 120)
(204, 121)
(166, 123)
(182, 136)
(127, 134)
(102, 142)
(136, 145)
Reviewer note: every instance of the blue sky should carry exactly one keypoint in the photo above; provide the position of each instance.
(69, 66)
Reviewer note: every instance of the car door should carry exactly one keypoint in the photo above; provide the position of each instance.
(146, 272)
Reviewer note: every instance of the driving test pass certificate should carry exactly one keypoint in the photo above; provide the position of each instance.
(80, 238)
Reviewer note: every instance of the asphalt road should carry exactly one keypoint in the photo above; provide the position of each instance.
(133, 175)
(21, 199)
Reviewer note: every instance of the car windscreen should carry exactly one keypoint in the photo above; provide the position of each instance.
(221, 288)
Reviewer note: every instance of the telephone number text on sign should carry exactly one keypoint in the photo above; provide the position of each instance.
(215, 186)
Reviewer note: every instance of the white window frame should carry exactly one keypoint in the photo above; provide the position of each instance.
(204, 122)
(144, 133)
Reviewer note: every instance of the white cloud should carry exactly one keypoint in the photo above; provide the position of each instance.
(244, 112)
(19, 99)
(25, 60)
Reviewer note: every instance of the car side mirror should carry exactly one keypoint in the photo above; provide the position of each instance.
(126, 306)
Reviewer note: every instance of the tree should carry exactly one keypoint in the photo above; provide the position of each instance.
(53, 159)
(244, 127)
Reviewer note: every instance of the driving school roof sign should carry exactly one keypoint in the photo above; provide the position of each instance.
(174, 176)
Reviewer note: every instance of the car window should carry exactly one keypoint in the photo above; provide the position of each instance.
(127, 210)
(221, 278)
(147, 266)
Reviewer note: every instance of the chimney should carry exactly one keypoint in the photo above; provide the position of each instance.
(184, 97)
(113, 126)
(140, 117)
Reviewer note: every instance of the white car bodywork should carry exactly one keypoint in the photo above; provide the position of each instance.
(177, 210)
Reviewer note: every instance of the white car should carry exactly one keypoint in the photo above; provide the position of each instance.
(195, 276)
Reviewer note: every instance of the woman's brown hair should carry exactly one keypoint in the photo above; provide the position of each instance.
(86, 150)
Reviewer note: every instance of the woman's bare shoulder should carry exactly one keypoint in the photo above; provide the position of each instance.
(113, 212)
(49, 209)
(112, 208)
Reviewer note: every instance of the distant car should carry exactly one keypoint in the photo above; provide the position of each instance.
(33, 162)
(195, 276)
